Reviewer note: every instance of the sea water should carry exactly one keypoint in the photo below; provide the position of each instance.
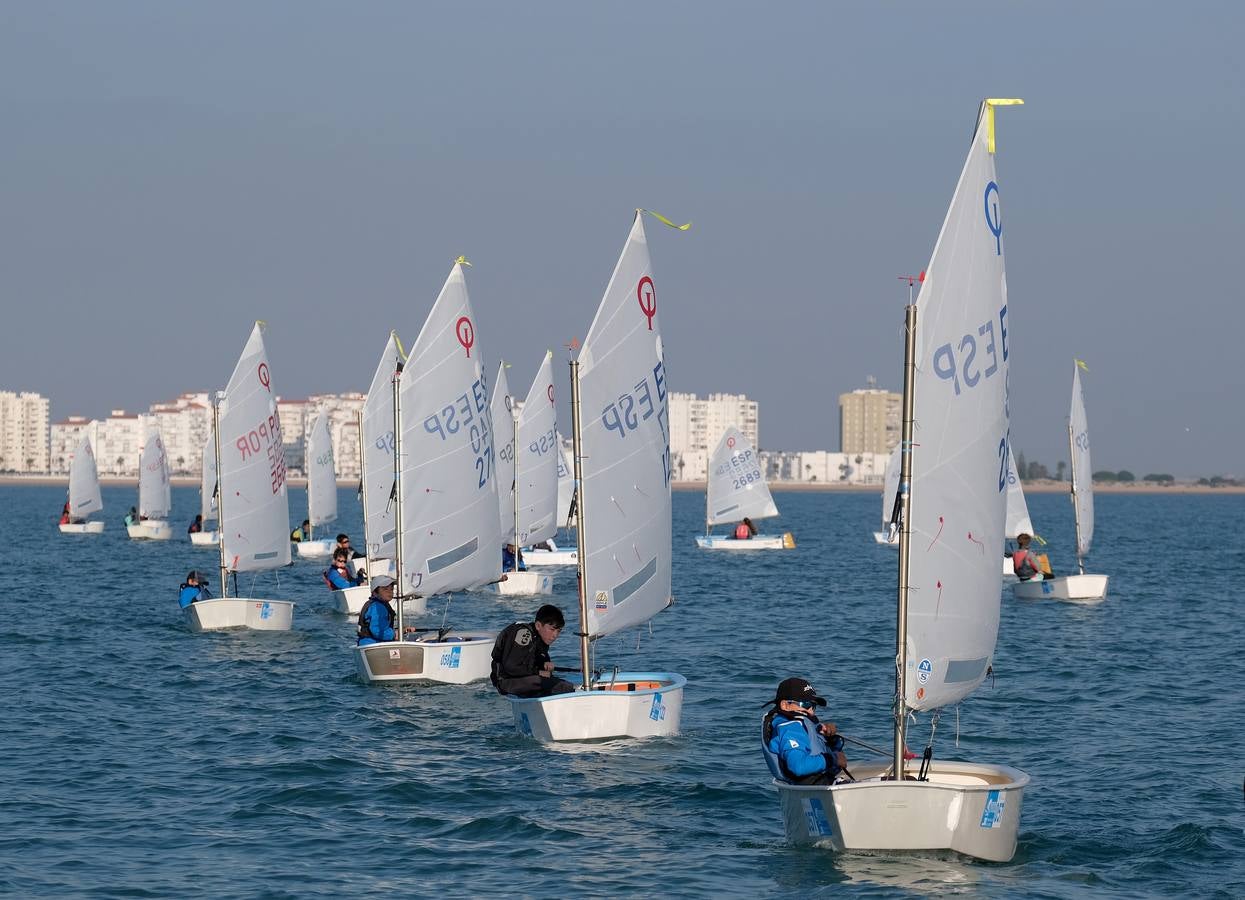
(142, 760)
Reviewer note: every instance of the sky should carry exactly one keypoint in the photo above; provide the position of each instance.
(170, 172)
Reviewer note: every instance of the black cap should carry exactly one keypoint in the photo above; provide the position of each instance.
(797, 689)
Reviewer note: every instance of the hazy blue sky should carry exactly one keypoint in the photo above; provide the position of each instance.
(171, 171)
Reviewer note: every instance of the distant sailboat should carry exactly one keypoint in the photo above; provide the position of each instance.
(1080, 587)
(321, 488)
(154, 497)
(448, 534)
(737, 491)
(252, 500)
(889, 535)
(1018, 521)
(84, 496)
(952, 508)
(207, 495)
(622, 466)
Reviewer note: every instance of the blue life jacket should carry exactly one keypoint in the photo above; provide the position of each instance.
(780, 735)
(191, 593)
(376, 621)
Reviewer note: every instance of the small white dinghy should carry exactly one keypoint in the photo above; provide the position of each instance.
(949, 588)
(84, 495)
(448, 532)
(737, 491)
(622, 465)
(529, 463)
(154, 496)
(554, 556)
(207, 496)
(321, 489)
(1080, 587)
(252, 500)
(889, 536)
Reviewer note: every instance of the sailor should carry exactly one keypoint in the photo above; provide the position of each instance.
(1024, 563)
(194, 589)
(337, 576)
(196, 526)
(302, 532)
(797, 747)
(131, 518)
(745, 530)
(521, 663)
(343, 543)
(508, 554)
(377, 617)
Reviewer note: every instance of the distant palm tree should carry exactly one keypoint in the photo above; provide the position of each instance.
(1059, 468)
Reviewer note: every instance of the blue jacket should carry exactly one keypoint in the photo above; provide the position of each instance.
(193, 593)
(801, 752)
(507, 560)
(376, 622)
(338, 581)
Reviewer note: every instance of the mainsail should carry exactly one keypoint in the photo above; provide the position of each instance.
(321, 478)
(736, 488)
(536, 460)
(501, 405)
(154, 500)
(450, 534)
(255, 511)
(1082, 469)
(625, 450)
(84, 496)
(1018, 521)
(378, 493)
(566, 484)
(207, 482)
(960, 452)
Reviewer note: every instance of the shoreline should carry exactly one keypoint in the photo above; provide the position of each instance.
(1045, 486)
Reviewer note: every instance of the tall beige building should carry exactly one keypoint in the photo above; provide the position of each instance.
(869, 421)
(23, 432)
(697, 425)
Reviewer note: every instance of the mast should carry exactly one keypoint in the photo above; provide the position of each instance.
(581, 564)
(1076, 510)
(903, 498)
(363, 491)
(397, 502)
(220, 498)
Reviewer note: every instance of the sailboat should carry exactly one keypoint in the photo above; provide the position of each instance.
(952, 505)
(1018, 521)
(534, 451)
(207, 495)
(448, 534)
(154, 497)
(84, 496)
(550, 554)
(890, 486)
(376, 440)
(252, 501)
(1080, 587)
(321, 488)
(737, 490)
(622, 467)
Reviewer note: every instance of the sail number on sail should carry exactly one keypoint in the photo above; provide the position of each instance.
(543, 444)
(625, 414)
(469, 410)
(266, 436)
(742, 469)
(966, 367)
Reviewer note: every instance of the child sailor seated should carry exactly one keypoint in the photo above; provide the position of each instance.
(797, 747)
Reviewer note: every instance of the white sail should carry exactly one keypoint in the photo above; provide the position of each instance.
(501, 405)
(378, 495)
(321, 477)
(207, 483)
(736, 486)
(625, 450)
(154, 497)
(1018, 521)
(1082, 469)
(566, 484)
(255, 510)
(890, 485)
(84, 496)
(959, 466)
(536, 460)
(450, 535)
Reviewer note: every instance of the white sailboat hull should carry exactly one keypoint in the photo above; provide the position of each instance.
(314, 549)
(629, 704)
(1083, 588)
(150, 530)
(524, 584)
(460, 658)
(95, 527)
(550, 557)
(349, 601)
(881, 537)
(205, 538)
(757, 542)
(240, 612)
(970, 808)
(383, 567)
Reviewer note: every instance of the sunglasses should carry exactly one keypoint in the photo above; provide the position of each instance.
(804, 704)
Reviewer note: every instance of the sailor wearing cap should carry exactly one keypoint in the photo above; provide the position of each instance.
(377, 616)
(797, 747)
(194, 589)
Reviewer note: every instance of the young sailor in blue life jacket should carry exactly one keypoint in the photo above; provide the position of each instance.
(337, 576)
(797, 747)
(508, 554)
(194, 589)
(377, 617)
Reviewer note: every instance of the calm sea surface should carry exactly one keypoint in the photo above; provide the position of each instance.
(140, 760)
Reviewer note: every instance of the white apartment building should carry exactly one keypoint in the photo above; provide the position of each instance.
(823, 466)
(697, 425)
(869, 420)
(185, 425)
(23, 432)
(297, 417)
